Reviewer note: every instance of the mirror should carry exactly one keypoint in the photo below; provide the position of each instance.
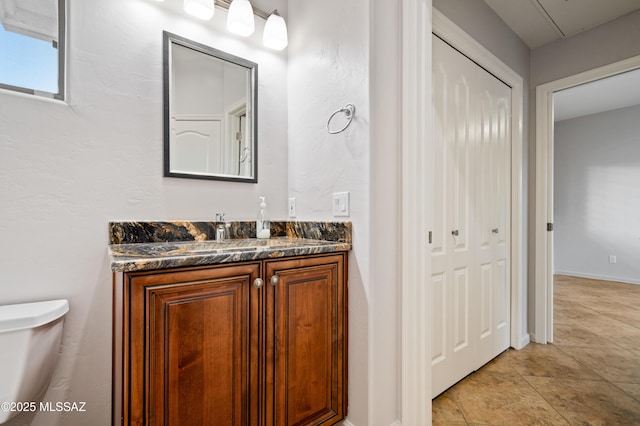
(210, 114)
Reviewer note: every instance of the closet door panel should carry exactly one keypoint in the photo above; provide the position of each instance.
(493, 215)
(452, 254)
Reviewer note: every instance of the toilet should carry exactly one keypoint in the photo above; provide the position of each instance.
(30, 335)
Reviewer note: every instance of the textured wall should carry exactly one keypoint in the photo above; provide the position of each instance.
(597, 195)
(67, 169)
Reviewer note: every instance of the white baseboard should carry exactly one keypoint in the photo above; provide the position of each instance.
(524, 341)
(598, 277)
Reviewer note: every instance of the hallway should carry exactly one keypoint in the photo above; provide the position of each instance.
(590, 375)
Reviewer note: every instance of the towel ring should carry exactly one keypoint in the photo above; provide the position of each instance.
(349, 111)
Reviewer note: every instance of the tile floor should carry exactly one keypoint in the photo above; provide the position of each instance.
(590, 375)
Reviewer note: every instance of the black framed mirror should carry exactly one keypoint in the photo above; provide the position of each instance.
(210, 112)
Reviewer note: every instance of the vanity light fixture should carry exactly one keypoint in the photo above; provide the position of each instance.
(275, 32)
(240, 18)
(201, 9)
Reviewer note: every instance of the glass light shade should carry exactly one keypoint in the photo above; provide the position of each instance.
(240, 19)
(201, 9)
(275, 33)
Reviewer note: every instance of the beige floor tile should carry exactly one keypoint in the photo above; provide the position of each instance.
(445, 409)
(607, 326)
(632, 389)
(605, 305)
(577, 315)
(629, 316)
(585, 402)
(622, 334)
(502, 399)
(549, 361)
(626, 339)
(574, 335)
(613, 364)
(503, 364)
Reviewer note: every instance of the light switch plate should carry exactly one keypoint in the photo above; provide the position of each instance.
(292, 207)
(341, 203)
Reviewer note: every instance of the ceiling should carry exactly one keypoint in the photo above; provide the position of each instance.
(619, 91)
(538, 22)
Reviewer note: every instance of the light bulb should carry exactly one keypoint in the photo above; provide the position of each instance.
(275, 32)
(240, 19)
(201, 9)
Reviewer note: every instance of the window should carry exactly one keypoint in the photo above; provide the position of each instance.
(32, 40)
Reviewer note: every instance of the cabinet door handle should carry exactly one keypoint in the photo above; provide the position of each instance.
(275, 280)
(495, 230)
(258, 283)
(455, 233)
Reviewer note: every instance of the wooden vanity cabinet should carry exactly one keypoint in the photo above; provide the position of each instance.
(306, 341)
(211, 346)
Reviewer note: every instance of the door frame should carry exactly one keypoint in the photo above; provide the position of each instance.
(416, 113)
(544, 188)
(419, 19)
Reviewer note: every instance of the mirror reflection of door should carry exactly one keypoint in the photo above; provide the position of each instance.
(209, 113)
(237, 144)
(244, 150)
(197, 144)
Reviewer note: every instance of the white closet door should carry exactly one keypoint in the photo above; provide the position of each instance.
(492, 233)
(452, 255)
(470, 292)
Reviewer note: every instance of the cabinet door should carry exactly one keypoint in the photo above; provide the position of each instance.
(306, 331)
(194, 346)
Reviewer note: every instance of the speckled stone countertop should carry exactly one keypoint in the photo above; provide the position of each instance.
(138, 246)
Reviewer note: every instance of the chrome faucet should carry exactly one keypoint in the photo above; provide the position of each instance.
(221, 227)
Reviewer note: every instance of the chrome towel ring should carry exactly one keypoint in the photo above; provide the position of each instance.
(349, 111)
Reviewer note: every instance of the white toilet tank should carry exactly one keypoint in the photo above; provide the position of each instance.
(30, 335)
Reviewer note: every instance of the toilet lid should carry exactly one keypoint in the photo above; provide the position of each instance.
(31, 315)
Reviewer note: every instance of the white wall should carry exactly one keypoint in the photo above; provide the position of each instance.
(478, 20)
(67, 169)
(597, 195)
(385, 278)
(602, 45)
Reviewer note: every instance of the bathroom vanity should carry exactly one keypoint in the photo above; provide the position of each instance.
(242, 332)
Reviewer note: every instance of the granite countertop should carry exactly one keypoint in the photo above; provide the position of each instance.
(128, 251)
(145, 256)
